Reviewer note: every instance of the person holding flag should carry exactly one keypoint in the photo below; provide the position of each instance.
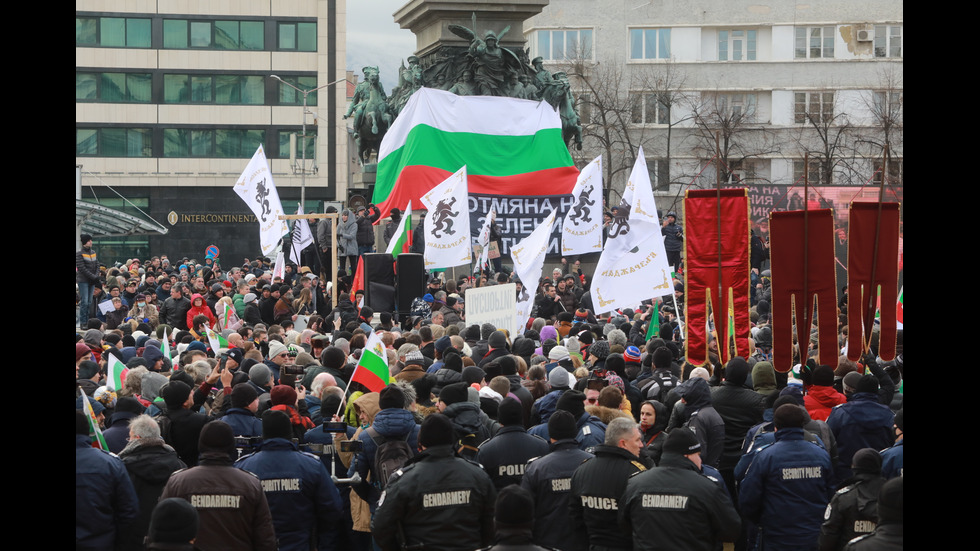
(398, 232)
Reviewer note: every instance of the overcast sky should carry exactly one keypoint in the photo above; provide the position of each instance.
(374, 39)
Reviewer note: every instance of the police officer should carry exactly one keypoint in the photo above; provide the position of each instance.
(853, 511)
(301, 495)
(505, 455)
(599, 483)
(232, 507)
(792, 478)
(433, 502)
(689, 511)
(549, 479)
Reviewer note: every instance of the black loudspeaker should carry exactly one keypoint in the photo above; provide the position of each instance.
(379, 277)
(411, 280)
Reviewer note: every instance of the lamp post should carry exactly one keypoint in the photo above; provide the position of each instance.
(306, 93)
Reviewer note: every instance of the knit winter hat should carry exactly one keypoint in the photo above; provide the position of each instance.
(283, 395)
(275, 424)
(242, 395)
(173, 520)
(682, 442)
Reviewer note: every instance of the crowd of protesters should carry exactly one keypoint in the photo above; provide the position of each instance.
(584, 432)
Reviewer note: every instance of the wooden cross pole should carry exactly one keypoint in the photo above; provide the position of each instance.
(333, 216)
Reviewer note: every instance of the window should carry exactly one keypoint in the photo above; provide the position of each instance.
(112, 32)
(896, 169)
(888, 41)
(659, 170)
(206, 142)
(647, 109)
(297, 36)
(310, 143)
(113, 142)
(289, 96)
(214, 35)
(649, 43)
(558, 45)
(887, 105)
(583, 105)
(737, 45)
(816, 107)
(732, 106)
(817, 177)
(219, 89)
(744, 171)
(815, 42)
(113, 87)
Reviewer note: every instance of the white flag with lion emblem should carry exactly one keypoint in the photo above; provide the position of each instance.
(447, 223)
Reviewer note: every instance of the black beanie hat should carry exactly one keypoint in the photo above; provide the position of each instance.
(173, 520)
(454, 393)
(866, 461)
(175, 394)
(242, 395)
(867, 383)
(275, 424)
(561, 425)
(508, 365)
(682, 442)
(515, 507)
(789, 416)
(436, 430)
(823, 375)
(473, 374)
(129, 404)
(662, 358)
(217, 438)
(391, 397)
(737, 371)
(333, 357)
(510, 412)
(87, 369)
(572, 401)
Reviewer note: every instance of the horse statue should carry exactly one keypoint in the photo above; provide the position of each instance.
(372, 117)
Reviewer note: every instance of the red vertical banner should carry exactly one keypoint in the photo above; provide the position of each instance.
(801, 246)
(872, 258)
(716, 263)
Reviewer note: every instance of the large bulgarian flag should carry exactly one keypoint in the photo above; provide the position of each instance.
(372, 368)
(401, 242)
(510, 147)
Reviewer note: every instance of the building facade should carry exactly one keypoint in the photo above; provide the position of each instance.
(780, 87)
(173, 97)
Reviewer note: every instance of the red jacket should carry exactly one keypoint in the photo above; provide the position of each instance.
(201, 310)
(820, 400)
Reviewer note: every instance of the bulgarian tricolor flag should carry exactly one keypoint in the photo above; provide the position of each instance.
(215, 340)
(98, 441)
(511, 147)
(401, 242)
(228, 310)
(165, 346)
(116, 374)
(372, 368)
(901, 308)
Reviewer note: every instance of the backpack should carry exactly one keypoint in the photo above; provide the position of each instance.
(390, 456)
(657, 388)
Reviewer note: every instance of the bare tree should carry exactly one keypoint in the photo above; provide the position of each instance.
(733, 119)
(824, 136)
(624, 108)
(885, 105)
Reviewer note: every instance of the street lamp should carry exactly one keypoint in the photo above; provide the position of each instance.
(306, 93)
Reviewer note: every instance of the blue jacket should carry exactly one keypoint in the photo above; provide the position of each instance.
(390, 423)
(301, 494)
(791, 479)
(105, 501)
(862, 422)
(544, 406)
(549, 479)
(892, 460)
(591, 431)
(117, 435)
(243, 422)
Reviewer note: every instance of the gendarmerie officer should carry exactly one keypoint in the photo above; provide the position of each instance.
(688, 511)
(505, 455)
(599, 483)
(438, 500)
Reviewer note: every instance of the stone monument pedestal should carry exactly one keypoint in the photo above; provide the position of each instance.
(430, 20)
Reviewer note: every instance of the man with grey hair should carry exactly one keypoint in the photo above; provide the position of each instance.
(149, 462)
(598, 484)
